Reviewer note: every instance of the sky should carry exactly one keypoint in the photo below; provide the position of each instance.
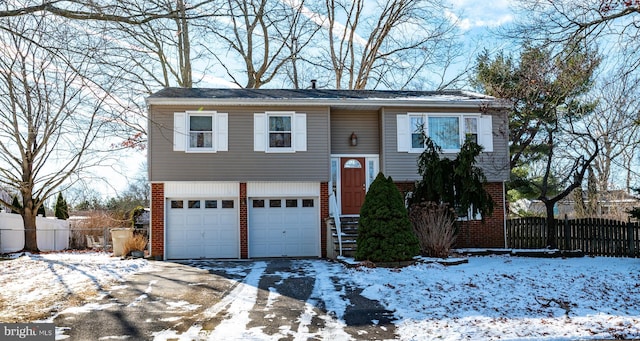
(476, 20)
(475, 16)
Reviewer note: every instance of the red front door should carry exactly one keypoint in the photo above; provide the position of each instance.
(352, 177)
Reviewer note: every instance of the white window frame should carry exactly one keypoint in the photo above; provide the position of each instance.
(298, 132)
(405, 130)
(191, 148)
(470, 216)
(182, 132)
(269, 132)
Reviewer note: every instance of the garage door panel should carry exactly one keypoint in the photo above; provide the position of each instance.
(201, 229)
(283, 227)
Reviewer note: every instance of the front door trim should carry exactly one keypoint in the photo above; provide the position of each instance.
(372, 167)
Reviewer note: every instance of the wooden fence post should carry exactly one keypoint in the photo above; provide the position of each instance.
(567, 233)
(630, 238)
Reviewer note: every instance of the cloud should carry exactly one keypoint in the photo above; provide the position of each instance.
(470, 14)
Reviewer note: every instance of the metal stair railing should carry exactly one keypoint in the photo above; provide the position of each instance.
(335, 213)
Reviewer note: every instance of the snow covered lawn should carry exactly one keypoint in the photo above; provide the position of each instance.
(489, 298)
(35, 286)
(511, 298)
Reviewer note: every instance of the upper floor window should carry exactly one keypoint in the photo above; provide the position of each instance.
(275, 132)
(449, 131)
(471, 128)
(280, 131)
(200, 131)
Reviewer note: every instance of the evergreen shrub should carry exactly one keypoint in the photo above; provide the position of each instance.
(384, 230)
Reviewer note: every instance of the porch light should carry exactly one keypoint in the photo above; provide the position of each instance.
(354, 139)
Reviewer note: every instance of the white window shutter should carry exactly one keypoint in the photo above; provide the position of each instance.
(300, 132)
(403, 135)
(485, 133)
(222, 132)
(259, 132)
(179, 131)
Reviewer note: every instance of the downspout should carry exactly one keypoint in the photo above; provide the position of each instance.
(505, 212)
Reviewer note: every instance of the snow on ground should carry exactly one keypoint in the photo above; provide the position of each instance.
(489, 298)
(34, 286)
(511, 298)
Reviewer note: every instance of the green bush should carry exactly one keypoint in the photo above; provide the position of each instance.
(384, 230)
(61, 210)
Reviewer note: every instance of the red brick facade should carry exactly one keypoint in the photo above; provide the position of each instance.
(487, 233)
(244, 226)
(157, 220)
(476, 233)
(324, 213)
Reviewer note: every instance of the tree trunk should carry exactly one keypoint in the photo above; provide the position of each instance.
(30, 239)
(551, 225)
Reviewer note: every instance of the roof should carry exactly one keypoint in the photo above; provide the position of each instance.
(320, 97)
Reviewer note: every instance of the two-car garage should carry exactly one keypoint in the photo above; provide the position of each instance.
(203, 220)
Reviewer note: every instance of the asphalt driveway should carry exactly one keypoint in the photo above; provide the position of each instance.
(281, 299)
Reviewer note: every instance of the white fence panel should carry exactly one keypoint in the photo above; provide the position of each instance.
(11, 233)
(52, 235)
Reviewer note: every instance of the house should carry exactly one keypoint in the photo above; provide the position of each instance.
(610, 204)
(248, 173)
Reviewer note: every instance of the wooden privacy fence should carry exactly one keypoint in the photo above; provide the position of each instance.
(594, 236)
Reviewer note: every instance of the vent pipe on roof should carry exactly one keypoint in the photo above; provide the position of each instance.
(313, 84)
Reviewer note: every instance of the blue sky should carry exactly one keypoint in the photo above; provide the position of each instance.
(476, 16)
(476, 20)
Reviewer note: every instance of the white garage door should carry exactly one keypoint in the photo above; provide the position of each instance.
(284, 227)
(202, 228)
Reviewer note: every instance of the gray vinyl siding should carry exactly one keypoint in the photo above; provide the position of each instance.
(365, 124)
(402, 166)
(240, 162)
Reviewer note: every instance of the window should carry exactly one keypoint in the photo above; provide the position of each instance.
(449, 131)
(468, 215)
(275, 203)
(200, 131)
(417, 131)
(334, 176)
(471, 128)
(258, 203)
(177, 204)
(194, 203)
(307, 202)
(291, 203)
(352, 163)
(227, 203)
(279, 131)
(276, 132)
(445, 132)
(211, 204)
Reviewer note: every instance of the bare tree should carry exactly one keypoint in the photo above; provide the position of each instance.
(124, 11)
(385, 43)
(51, 116)
(610, 24)
(259, 38)
(614, 121)
(566, 162)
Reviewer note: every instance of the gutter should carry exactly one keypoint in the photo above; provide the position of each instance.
(288, 102)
